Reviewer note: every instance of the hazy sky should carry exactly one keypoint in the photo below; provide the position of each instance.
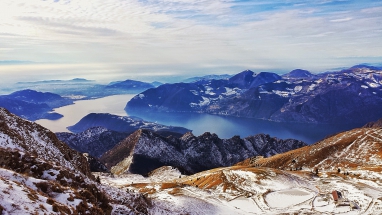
(117, 39)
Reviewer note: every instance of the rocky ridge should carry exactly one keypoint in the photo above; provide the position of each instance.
(144, 151)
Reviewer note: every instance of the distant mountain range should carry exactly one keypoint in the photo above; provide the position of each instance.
(33, 105)
(80, 88)
(352, 95)
(206, 77)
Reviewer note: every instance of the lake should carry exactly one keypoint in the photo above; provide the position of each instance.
(223, 126)
(73, 113)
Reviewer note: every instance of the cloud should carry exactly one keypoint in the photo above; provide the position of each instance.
(189, 35)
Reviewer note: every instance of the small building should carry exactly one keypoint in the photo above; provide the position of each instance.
(335, 195)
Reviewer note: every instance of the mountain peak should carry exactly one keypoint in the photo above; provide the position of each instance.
(298, 73)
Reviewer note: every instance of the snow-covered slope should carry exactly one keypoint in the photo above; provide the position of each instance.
(249, 190)
(26, 136)
(41, 175)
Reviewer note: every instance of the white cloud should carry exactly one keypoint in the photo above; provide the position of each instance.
(182, 35)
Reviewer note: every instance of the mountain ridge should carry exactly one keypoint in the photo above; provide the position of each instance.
(144, 151)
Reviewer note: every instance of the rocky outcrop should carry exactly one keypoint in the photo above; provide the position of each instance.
(95, 141)
(376, 124)
(144, 151)
(358, 148)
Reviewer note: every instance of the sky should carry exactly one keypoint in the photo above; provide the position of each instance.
(109, 40)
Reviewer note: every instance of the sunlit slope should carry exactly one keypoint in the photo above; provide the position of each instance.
(357, 148)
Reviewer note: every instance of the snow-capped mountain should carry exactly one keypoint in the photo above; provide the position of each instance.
(144, 151)
(353, 95)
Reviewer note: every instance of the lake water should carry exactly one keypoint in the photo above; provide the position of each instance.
(223, 126)
(73, 113)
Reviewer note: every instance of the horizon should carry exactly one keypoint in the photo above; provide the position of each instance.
(110, 40)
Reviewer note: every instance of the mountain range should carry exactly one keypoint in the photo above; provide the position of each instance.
(40, 174)
(348, 96)
(33, 105)
(144, 151)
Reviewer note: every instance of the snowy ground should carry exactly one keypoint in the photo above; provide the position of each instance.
(250, 191)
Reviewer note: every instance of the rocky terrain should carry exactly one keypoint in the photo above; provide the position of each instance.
(301, 181)
(41, 175)
(348, 96)
(144, 151)
(355, 149)
(95, 141)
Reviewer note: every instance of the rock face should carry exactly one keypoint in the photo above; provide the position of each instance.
(144, 151)
(33, 105)
(94, 141)
(121, 124)
(348, 96)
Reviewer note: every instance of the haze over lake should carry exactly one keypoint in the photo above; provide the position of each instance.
(223, 126)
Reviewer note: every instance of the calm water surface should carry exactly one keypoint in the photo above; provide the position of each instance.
(73, 113)
(223, 126)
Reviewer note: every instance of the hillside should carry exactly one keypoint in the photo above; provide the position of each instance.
(359, 148)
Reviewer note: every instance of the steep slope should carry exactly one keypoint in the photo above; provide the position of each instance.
(359, 148)
(26, 136)
(121, 124)
(41, 175)
(144, 151)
